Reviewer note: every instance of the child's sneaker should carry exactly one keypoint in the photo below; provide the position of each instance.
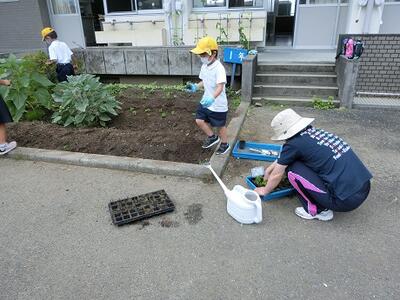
(210, 141)
(325, 215)
(223, 148)
(7, 147)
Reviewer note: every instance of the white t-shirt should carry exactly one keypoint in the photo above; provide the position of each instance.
(60, 52)
(212, 75)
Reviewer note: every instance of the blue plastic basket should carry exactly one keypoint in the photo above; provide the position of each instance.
(271, 196)
(247, 154)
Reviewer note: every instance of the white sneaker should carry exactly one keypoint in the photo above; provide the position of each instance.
(7, 147)
(325, 215)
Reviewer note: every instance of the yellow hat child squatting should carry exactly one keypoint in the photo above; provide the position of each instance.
(205, 45)
(46, 31)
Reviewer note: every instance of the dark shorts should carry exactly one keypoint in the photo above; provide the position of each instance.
(216, 119)
(5, 116)
(315, 196)
(64, 70)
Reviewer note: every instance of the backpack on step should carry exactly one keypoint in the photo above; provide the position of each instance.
(349, 48)
(343, 47)
(358, 48)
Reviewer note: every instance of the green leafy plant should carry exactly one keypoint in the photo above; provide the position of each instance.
(30, 90)
(259, 181)
(222, 38)
(116, 89)
(319, 103)
(234, 97)
(83, 101)
(243, 40)
(37, 61)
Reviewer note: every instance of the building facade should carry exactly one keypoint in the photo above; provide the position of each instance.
(299, 24)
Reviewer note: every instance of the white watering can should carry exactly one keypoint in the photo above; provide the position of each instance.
(243, 205)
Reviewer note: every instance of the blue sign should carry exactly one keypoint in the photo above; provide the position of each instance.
(234, 55)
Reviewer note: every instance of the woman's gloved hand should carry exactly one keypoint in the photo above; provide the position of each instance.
(207, 101)
(191, 87)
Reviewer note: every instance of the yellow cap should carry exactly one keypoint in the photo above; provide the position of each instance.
(46, 31)
(205, 45)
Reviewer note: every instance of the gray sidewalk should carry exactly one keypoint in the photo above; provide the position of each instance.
(57, 240)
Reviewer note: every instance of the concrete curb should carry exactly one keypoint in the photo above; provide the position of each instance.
(158, 167)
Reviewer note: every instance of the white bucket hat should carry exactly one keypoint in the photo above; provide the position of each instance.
(287, 123)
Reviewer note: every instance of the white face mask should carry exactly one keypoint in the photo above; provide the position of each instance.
(204, 60)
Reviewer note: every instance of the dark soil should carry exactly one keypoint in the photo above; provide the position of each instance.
(194, 213)
(152, 125)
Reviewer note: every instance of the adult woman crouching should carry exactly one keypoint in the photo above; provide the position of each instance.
(327, 175)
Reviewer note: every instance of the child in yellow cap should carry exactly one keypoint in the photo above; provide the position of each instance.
(59, 53)
(213, 108)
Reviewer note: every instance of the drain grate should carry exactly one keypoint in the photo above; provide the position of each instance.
(140, 207)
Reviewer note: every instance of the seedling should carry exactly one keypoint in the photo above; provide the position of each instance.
(147, 110)
(259, 181)
(163, 114)
(319, 103)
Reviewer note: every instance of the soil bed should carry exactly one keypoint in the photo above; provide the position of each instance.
(152, 124)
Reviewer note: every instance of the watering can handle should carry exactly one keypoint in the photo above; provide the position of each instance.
(258, 218)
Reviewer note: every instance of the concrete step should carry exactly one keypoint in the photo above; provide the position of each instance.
(295, 68)
(312, 79)
(291, 101)
(261, 90)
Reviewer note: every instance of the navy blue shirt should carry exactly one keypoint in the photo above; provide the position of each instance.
(330, 157)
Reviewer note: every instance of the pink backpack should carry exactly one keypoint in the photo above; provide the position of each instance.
(349, 52)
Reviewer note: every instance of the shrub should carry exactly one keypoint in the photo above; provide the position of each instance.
(83, 101)
(30, 90)
(37, 61)
(319, 103)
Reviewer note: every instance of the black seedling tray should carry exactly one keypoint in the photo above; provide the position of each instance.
(140, 207)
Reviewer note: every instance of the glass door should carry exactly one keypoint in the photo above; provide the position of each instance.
(66, 20)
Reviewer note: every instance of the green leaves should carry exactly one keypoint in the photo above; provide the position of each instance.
(84, 101)
(29, 90)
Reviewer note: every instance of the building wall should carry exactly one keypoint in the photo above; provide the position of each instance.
(136, 29)
(316, 26)
(379, 64)
(390, 18)
(21, 23)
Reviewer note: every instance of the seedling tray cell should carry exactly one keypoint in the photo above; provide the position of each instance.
(276, 194)
(245, 152)
(140, 207)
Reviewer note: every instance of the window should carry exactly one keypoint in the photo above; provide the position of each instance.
(119, 6)
(131, 5)
(209, 3)
(245, 3)
(318, 2)
(149, 4)
(63, 7)
(231, 3)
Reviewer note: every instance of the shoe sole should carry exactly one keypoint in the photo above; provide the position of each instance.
(8, 150)
(312, 218)
(227, 149)
(216, 142)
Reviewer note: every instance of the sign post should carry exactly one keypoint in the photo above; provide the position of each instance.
(234, 56)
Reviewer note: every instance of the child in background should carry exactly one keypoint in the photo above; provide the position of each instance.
(59, 54)
(213, 108)
(5, 117)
